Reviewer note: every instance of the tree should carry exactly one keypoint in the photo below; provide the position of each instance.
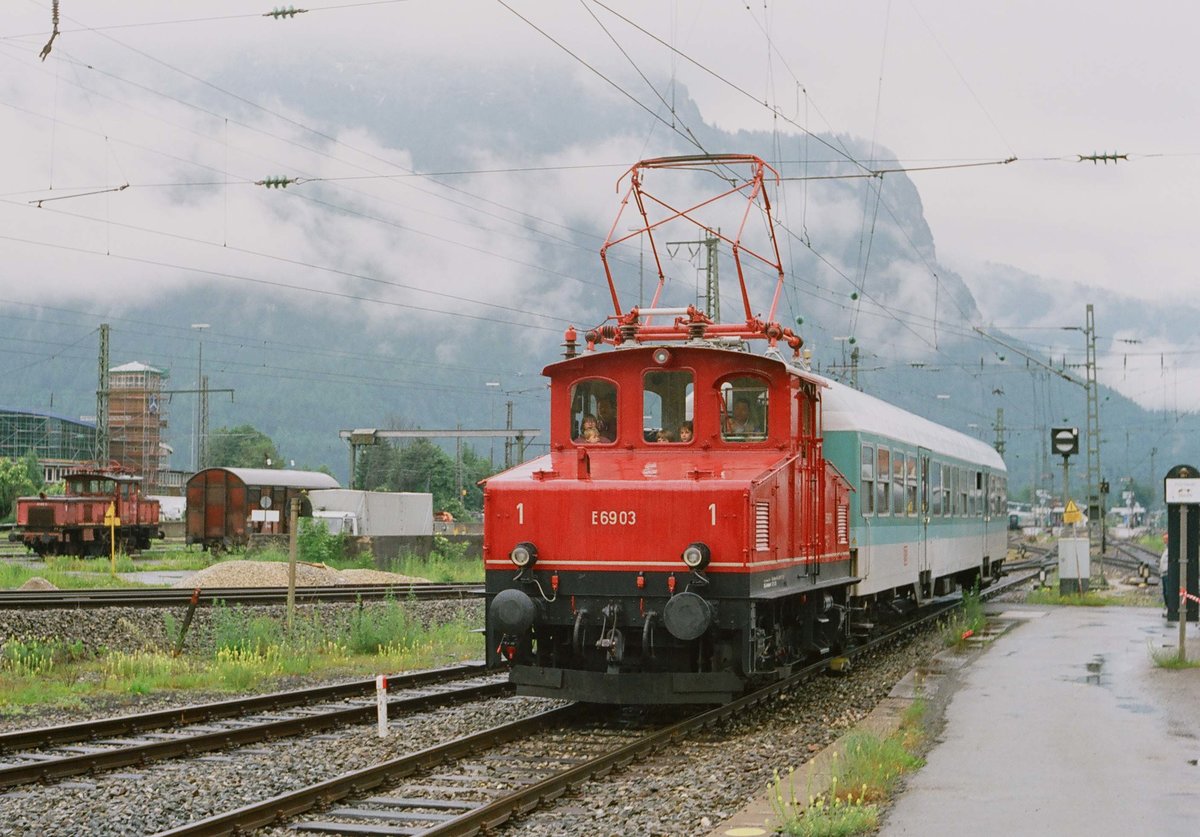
(14, 483)
(376, 466)
(423, 466)
(241, 447)
(33, 469)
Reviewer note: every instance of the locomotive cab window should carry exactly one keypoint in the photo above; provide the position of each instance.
(743, 404)
(593, 415)
(667, 401)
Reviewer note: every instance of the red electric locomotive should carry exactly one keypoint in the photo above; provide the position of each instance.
(685, 535)
(74, 523)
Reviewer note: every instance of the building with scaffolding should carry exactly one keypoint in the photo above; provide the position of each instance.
(60, 443)
(137, 417)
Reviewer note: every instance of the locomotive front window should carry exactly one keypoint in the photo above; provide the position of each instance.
(593, 416)
(744, 409)
(667, 401)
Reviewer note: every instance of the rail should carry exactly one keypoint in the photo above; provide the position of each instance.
(433, 814)
(105, 753)
(177, 597)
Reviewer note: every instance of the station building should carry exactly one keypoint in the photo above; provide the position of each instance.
(60, 443)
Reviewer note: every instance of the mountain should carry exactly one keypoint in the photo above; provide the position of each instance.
(432, 301)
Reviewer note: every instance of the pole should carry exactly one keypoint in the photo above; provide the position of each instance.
(508, 440)
(381, 704)
(293, 525)
(1183, 523)
(1066, 480)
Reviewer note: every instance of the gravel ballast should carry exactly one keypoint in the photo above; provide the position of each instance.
(684, 790)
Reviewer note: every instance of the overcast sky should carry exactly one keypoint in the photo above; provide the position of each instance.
(938, 82)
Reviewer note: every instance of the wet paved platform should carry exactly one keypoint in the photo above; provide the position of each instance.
(1064, 726)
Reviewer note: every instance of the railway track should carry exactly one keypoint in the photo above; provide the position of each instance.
(477, 782)
(57, 752)
(145, 597)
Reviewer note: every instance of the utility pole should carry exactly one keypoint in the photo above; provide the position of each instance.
(102, 431)
(202, 457)
(508, 442)
(854, 368)
(712, 283)
(999, 443)
(1095, 512)
(199, 327)
(458, 493)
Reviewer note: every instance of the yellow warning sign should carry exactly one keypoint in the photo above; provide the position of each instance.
(110, 516)
(1072, 514)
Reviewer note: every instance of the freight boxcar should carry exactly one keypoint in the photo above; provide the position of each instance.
(74, 523)
(227, 506)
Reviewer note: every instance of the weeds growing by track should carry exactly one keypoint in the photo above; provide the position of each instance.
(865, 773)
(966, 622)
(248, 652)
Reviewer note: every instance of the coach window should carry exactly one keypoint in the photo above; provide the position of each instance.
(883, 476)
(743, 407)
(954, 507)
(897, 482)
(911, 488)
(946, 478)
(964, 488)
(935, 489)
(593, 416)
(979, 494)
(868, 479)
(667, 398)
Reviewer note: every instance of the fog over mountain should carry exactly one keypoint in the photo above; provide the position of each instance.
(363, 296)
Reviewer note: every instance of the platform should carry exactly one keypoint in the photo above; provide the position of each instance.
(1055, 721)
(1064, 726)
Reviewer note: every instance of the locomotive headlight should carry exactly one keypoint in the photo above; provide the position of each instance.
(523, 555)
(696, 556)
(662, 356)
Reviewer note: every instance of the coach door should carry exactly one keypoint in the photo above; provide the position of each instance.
(923, 517)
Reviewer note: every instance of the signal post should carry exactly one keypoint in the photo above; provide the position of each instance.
(1182, 489)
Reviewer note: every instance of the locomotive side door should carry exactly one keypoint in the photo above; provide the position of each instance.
(923, 516)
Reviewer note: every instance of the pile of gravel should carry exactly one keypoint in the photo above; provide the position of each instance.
(275, 574)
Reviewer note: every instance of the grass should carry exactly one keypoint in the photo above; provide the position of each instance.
(1168, 658)
(250, 651)
(442, 568)
(1050, 596)
(865, 774)
(967, 621)
(14, 575)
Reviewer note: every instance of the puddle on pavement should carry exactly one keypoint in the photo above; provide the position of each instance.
(1095, 671)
